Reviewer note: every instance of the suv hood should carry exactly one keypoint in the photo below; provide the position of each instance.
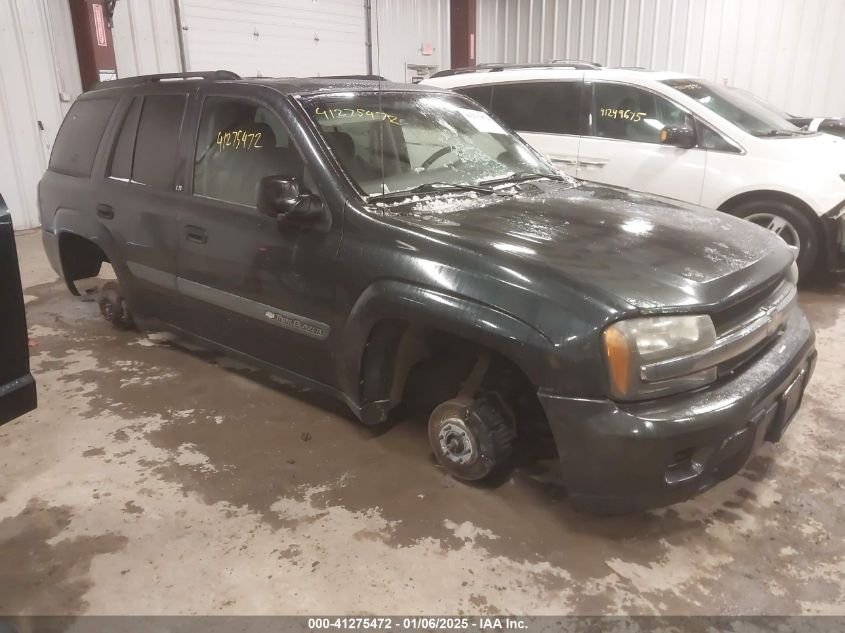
(651, 253)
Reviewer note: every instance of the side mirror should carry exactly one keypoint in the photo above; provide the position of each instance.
(282, 198)
(682, 136)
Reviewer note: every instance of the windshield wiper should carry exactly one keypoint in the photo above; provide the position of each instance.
(778, 133)
(433, 187)
(519, 176)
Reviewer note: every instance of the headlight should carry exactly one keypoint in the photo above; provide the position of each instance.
(632, 344)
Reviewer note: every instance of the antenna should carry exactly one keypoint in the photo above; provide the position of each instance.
(380, 107)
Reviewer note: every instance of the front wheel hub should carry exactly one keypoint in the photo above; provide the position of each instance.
(471, 439)
(456, 441)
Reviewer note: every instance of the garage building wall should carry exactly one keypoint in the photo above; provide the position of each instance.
(275, 38)
(789, 52)
(404, 26)
(278, 38)
(39, 78)
(145, 37)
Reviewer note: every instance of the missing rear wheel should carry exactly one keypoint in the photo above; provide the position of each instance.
(114, 307)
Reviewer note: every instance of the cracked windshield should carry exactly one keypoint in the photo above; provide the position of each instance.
(430, 143)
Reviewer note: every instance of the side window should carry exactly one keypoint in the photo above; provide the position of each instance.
(80, 135)
(631, 114)
(546, 107)
(121, 159)
(482, 94)
(239, 143)
(157, 142)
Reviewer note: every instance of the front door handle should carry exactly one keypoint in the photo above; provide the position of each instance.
(105, 211)
(196, 234)
(565, 161)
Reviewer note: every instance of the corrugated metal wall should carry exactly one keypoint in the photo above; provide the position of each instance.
(404, 26)
(788, 51)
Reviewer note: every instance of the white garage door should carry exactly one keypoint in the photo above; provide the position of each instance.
(275, 38)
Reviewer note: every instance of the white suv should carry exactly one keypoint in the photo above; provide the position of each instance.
(678, 136)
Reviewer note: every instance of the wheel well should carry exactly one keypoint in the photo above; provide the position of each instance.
(423, 367)
(752, 196)
(81, 258)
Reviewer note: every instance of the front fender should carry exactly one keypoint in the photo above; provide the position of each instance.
(532, 351)
(819, 196)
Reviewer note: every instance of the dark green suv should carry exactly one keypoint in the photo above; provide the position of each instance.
(375, 241)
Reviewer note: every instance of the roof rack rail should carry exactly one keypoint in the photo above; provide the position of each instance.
(364, 77)
(574, 62)
(499, 67)
(146, 79)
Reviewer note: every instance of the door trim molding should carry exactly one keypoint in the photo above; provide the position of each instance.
(235, 303)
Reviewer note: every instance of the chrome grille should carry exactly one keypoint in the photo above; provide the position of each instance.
(739, 340)
(746, 308)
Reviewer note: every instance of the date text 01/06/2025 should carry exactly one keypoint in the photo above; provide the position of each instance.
(419, 623)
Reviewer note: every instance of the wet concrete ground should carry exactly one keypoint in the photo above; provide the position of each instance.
(158, 479)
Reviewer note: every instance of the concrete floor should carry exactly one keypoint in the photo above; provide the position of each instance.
(158, 479)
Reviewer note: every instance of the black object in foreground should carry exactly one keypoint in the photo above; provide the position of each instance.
(17, 387)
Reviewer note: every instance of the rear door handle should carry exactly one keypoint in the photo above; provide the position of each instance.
(196, 234)
(105, 211)
(593, 163)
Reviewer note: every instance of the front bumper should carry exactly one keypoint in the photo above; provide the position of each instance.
(621, 456)
(17, 397)
(833, 223)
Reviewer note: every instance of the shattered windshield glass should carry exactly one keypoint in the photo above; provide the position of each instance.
(402, 141)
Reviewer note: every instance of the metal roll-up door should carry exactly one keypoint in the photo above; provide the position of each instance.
(275, 38)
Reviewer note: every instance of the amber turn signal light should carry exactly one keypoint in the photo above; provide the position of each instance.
(618, 359)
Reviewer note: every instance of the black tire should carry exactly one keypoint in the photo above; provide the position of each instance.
(488, 433)
(809, 242)
(113, 306)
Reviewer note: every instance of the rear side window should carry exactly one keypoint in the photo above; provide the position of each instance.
(546, 107)
(121, 160)
(157, 141)
(481, 94)
(79, 137)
